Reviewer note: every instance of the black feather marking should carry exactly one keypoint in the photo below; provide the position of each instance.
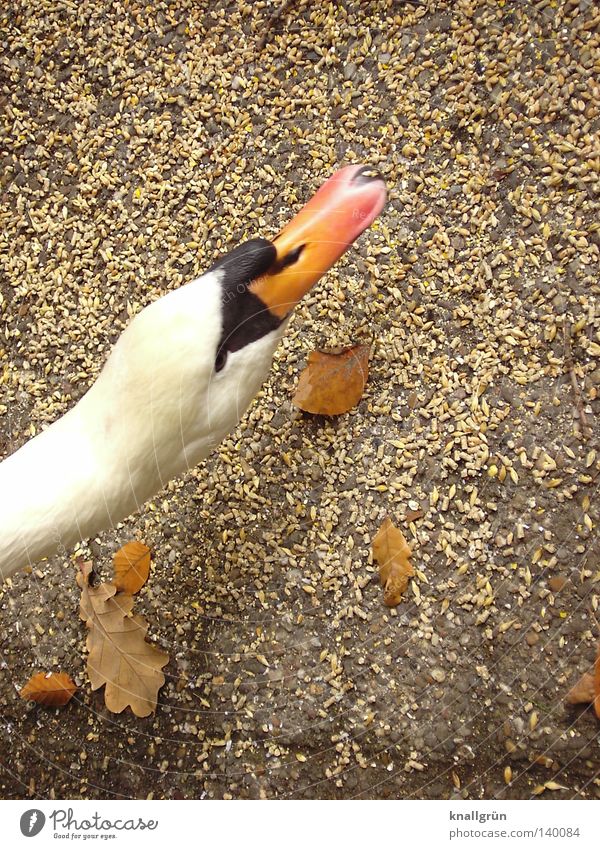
(245, 318)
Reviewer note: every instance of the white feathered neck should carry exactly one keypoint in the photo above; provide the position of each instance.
(155, 410)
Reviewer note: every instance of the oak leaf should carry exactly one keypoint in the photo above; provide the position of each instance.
(132, 567)
(119, 655)
(333, 383)
(53, 689)
(597, 682)
(392, 552)
(583, 691)
(587, 688)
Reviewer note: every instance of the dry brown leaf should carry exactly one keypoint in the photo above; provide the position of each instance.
(583, 691)
(333, 383)
(132, 567)
(597, 682)
(119, 655)
(53, 689)
(587, 688)
(392, 552)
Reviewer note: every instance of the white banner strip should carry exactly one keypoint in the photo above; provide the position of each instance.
(328, 824)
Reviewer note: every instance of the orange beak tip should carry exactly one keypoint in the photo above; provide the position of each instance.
(345, 205)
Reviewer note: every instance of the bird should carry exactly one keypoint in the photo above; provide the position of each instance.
(176, 382)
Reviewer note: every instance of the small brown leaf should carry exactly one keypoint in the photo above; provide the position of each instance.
(132, 567)
(582, 691)
(392, 552)
(597, 682)
(587, 689)
(53, 689)
(333, 383)
(119, 655)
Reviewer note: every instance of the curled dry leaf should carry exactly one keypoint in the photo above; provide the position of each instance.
(53, 689)
(132, 567)
(119, 655)
(597, 683)
(333, 383)
(392, 552)
(583, 691)
(587, 689)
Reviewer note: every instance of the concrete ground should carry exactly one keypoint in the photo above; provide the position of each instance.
(139, 141)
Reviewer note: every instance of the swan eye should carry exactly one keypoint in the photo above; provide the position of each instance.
(221, 359)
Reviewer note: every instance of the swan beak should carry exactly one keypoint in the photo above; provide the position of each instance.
(315, 239)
